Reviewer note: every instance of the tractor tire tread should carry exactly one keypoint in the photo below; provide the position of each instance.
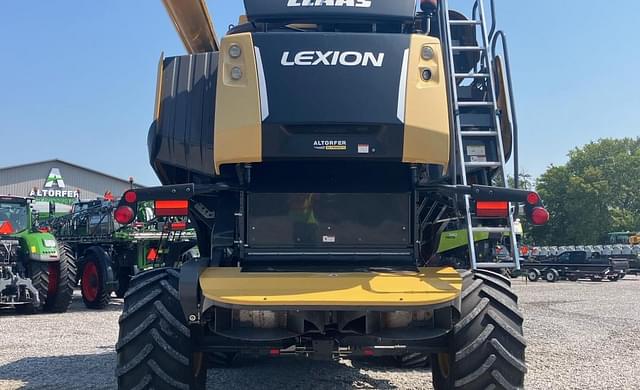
(487, 348)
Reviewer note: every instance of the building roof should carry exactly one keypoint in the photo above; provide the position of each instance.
(57, 160)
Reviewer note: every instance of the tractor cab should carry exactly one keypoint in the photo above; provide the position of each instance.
(14, 215)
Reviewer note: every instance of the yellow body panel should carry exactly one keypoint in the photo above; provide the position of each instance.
(429, 286)
(426, 131)
(238, 123)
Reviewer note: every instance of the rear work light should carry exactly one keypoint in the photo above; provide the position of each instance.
(428, 5)
(123, 215)
(172, 208)
(492, 209)
(539, 216)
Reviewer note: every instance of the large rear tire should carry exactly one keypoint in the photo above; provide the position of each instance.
(487, 347)
(55, 280)
(155, 347)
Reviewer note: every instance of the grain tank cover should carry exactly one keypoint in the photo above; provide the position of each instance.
(330, 10)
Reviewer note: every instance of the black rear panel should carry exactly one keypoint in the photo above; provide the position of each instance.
(328, 221)
(183, 135)
(310, 91)
(340, 10)
(331, 97)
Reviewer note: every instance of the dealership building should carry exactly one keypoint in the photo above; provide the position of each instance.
(59, 183)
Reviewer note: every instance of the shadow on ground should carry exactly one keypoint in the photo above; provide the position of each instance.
(60, 372)
(97, 372)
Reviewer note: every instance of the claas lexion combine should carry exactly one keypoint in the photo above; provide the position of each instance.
(320, 149)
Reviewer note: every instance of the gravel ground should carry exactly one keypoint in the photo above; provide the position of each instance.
(581, 336)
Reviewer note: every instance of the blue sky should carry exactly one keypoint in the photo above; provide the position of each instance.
(77, 78)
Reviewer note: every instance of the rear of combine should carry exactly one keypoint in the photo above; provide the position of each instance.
(320, 151)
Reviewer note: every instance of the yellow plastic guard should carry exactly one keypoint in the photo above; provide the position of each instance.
(429, 286)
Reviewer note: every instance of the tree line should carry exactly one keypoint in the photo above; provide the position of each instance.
(596, 192)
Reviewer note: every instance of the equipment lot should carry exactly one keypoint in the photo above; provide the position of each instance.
(581, 336)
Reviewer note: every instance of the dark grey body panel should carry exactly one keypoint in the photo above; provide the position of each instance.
(317, 10)
(329, 220)
(182, 137)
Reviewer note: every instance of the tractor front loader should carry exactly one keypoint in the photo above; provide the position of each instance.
(320, 150)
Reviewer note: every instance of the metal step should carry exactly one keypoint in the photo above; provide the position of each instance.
(479, 133)
(468, 48)
(496, 265)
(472, 75)
(479, 164)
(484, 229)
(475, 104)
(465, 22)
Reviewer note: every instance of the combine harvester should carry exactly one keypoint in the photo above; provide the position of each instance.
(321, 149)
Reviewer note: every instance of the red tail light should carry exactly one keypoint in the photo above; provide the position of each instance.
(540, 216)
(492, 209)
(175, 226)
(6, 227)
(274, 352)
(172, 208)
(123, 215)
(130, 197)
(533, 199)
(44, 229)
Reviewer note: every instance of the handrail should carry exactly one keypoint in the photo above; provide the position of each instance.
(500, 37)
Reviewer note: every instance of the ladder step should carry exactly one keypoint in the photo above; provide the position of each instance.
(479, 133)
(496, 265)
(482, 164)
(475, 104)
(465, 22)
(467, 48)
(483, 229)
(472, 75)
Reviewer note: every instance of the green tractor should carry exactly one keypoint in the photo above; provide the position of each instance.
(36, 272)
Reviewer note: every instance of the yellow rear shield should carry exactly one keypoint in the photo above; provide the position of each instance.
(291, 290)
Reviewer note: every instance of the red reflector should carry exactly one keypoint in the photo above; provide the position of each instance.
(178, 226)
(274, 352)
(130, 197)
(44, 229)
(172, 208)
(533, 198)
(540, 216)
(6, 227)
(492, 209)
(152, 255)
(123, 215)
(368, 351)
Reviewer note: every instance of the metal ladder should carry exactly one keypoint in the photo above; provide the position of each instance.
(485, 71)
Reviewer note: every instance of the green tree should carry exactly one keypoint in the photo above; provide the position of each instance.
(596, 192)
